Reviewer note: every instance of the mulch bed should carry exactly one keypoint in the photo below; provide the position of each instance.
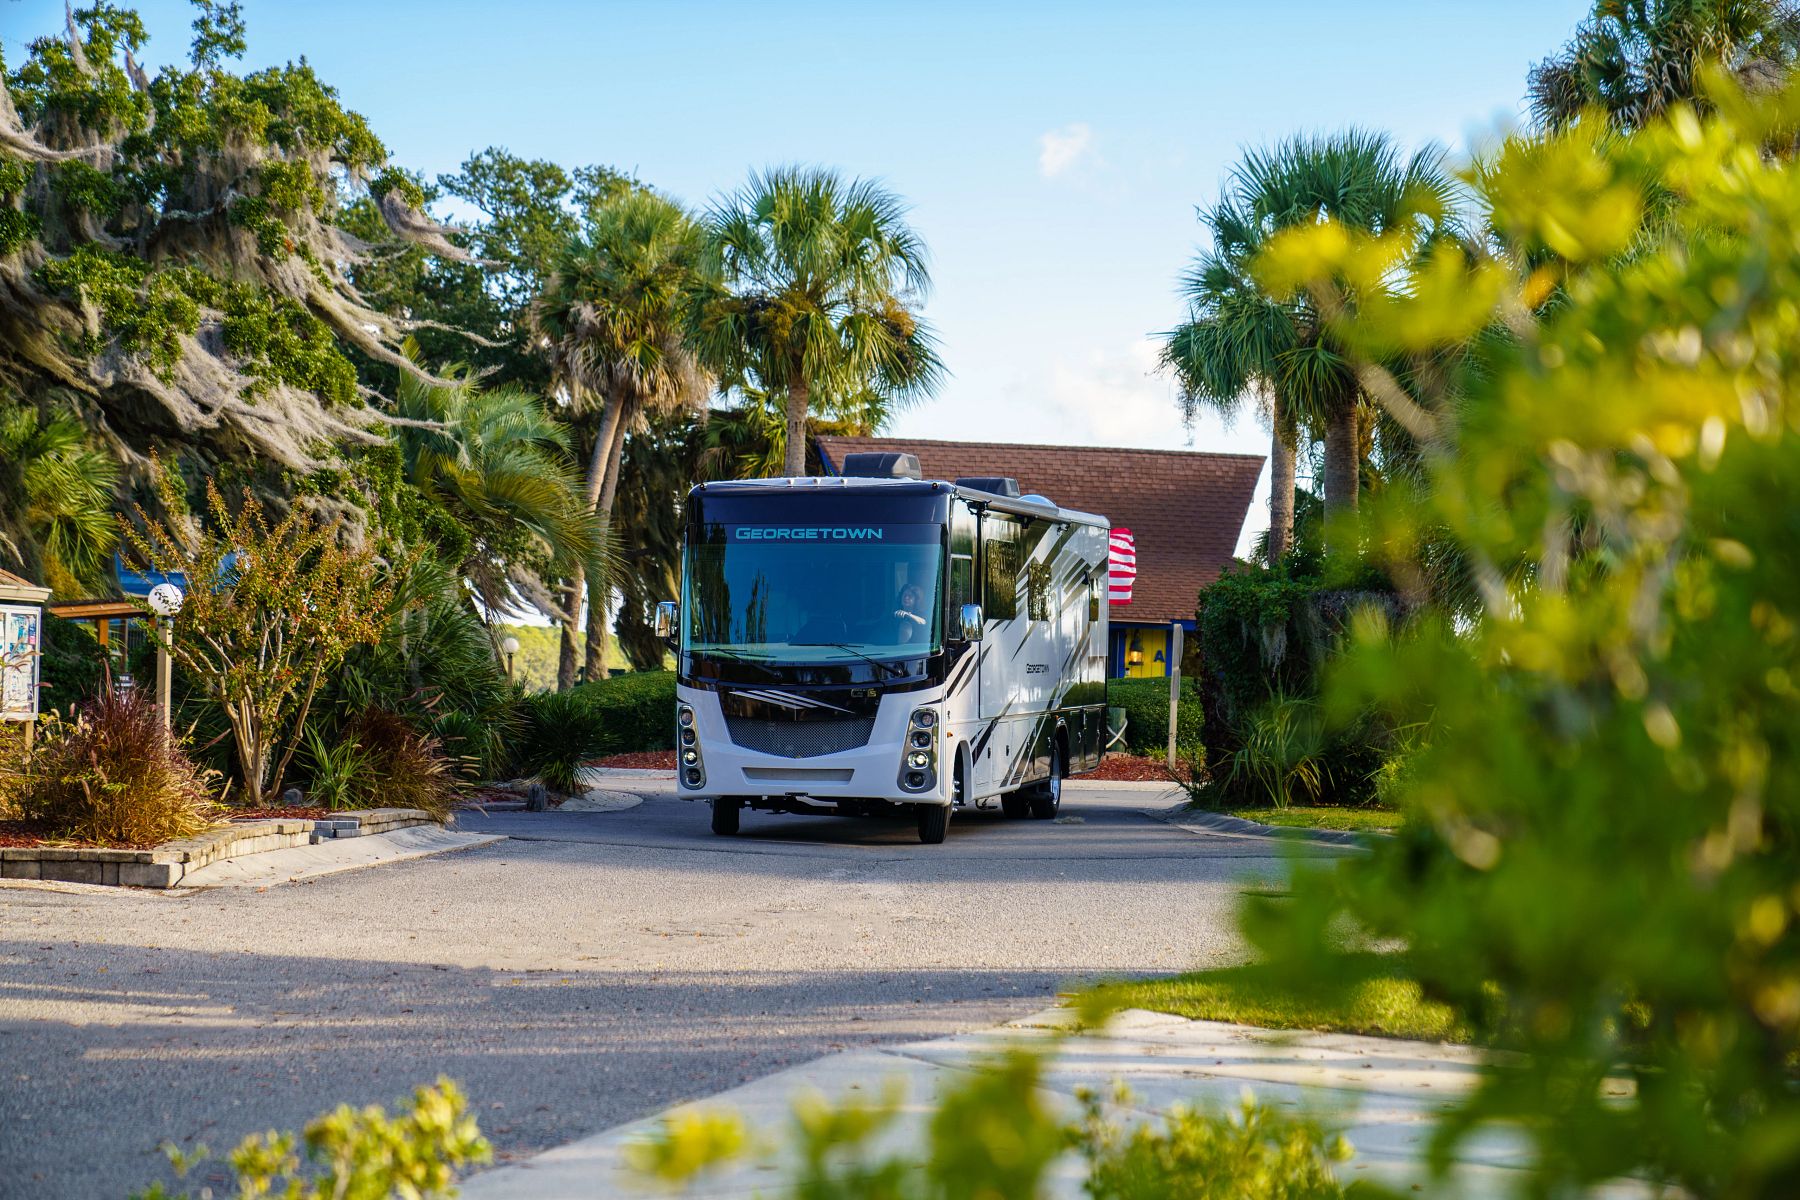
(20, 834)
(298, 812)
(639, 760)
(1130, 768)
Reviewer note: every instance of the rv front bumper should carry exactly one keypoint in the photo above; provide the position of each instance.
(902, 762)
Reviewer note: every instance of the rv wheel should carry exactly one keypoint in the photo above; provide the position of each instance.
(934, 822)
(1046, 797)
(726, 811)
(1015, 804)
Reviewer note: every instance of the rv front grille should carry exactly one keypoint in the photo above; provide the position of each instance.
(808, 739)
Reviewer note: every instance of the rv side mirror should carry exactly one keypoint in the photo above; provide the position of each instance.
(971, 622)
(668, 620)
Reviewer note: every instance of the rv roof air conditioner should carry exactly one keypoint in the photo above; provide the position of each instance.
(998, 485)
(870, 465)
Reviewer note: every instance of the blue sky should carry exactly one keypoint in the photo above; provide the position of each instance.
(1053, 154)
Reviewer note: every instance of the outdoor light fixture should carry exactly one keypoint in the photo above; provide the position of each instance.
(165, 600)
(509, 647)
(1134, 656)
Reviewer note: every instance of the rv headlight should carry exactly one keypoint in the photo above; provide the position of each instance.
(918, 758)
(685, 715)
(690, 757)
(921, 739)
(687, 735)
(924, 718)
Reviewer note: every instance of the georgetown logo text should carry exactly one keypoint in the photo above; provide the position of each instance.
(808, 533)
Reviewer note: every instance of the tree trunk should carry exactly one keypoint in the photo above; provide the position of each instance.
(1281, 488)
(571, 621)
(567, 655)
(1342, 456)
(795, 464)
(599, 633)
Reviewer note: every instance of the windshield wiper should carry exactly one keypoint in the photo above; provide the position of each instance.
(896, 668)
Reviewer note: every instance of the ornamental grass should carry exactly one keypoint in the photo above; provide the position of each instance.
(111, 775)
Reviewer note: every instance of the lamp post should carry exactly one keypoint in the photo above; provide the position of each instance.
(509, 647)
(165, 601)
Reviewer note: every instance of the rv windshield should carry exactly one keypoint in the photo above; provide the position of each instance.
(814, 594)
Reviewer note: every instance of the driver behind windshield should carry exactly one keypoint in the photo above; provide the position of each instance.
(914, 627)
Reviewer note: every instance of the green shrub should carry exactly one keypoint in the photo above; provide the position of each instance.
(434, 662)
(1146, 705)
(1599, 873)
(112, 776)
(1269, 635)
(381, 760)
(353, 1154)
(993, 1134)
(637, 710)
(561, 731)
(1281, 752)
(1253, 1153)
(337, 771)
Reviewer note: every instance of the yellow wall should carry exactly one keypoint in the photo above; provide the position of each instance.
(1155, 645)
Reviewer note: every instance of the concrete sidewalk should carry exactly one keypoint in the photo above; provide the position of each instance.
(331, 857)
(1383, 1093)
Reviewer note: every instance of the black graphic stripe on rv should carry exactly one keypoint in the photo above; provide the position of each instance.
(963, 672)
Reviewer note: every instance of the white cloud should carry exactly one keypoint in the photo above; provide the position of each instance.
(1061, 150)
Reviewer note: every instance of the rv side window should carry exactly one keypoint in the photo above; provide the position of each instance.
(999, 567)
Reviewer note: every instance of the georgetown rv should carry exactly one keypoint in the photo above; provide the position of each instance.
(853, 644)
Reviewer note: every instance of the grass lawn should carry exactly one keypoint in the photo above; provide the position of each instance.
(1377, 997)
(1354, 819)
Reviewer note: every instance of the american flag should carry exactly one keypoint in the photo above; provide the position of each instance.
(1121, 565)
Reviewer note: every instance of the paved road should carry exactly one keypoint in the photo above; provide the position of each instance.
(592, 968)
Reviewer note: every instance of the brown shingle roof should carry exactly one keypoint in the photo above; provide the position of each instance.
(1185, 508)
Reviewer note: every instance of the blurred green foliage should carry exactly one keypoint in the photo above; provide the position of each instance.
(1601, 859)
(353, 1154)
(993, 1135)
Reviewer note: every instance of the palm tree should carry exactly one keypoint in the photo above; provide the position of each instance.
(1239, 341)
(820, 279)
(496, 461)
(1634, 59)
(56, 500)
(615, 318)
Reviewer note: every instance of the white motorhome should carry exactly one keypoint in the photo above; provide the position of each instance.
(861, 642)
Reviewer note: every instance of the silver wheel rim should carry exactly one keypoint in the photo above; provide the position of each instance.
(1056, 780)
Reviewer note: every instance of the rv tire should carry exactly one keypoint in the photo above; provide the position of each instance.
(726, 813)
(1015, 804)
(934, 822)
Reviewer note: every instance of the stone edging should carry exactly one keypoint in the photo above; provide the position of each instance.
(164, 866)
(1215, 822)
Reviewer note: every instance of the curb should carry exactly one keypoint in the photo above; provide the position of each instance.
(1184, 817)
(630, 772)
(165, 865)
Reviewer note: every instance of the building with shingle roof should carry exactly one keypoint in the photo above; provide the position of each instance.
(1185, 509)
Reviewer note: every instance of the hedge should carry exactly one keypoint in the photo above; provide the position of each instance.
(1146, 705)
(636, 710)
